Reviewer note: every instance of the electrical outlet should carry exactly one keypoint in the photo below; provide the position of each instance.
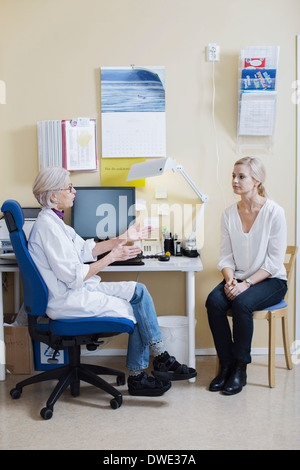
(212, 52)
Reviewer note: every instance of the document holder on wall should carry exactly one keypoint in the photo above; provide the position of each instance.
(71, 144)
(258, 67)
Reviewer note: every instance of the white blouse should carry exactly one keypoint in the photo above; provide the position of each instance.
(263, 247)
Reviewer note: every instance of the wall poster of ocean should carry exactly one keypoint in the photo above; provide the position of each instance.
(133, 118)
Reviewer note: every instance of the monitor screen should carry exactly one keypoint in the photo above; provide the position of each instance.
(103, 212)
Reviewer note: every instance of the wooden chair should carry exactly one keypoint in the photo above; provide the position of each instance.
(273, 312)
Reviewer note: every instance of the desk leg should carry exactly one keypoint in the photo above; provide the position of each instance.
(2, 344)
(190, 312)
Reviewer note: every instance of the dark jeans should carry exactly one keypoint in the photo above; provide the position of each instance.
(236, 345)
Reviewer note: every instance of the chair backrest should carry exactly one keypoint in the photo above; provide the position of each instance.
(35, 289)
(291, 252)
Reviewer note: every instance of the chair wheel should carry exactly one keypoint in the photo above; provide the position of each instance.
(115, 403)
(46, 413)
(120, 380)
(15, 393)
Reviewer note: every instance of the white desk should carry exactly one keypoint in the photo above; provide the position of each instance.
(181, 264)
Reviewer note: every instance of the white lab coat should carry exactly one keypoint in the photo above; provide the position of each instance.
(59, 254)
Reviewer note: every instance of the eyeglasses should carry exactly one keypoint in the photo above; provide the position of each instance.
(69, 188)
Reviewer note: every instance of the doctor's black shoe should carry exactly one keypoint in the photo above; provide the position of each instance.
(145, 386)
(167, 368)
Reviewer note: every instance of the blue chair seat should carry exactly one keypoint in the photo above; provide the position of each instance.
(281, 304)
(90, 325)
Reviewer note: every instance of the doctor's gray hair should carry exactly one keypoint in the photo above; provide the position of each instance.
(49, 180)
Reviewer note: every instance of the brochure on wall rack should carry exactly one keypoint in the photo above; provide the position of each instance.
(257, 113)
(259, 57)
(258, 79)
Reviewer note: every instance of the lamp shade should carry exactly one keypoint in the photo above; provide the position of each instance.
(151, 168)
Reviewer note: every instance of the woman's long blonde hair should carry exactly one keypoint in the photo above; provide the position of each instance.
(258, 172)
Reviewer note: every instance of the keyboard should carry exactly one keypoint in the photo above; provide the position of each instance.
(128, 262)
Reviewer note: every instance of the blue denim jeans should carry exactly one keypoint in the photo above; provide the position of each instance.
(146, 330)
(237, 345)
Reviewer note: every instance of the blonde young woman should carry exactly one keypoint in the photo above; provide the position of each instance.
(253, 245)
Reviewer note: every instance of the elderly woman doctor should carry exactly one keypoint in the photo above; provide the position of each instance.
(76, 290)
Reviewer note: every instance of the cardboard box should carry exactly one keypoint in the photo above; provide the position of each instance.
(18, 350)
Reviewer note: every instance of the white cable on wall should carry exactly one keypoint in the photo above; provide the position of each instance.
(215, 134)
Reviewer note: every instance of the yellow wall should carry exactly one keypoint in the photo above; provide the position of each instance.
(50, 55)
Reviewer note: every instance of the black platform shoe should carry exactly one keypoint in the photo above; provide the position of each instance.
(218, 383)
(237, 379)
(145, 386)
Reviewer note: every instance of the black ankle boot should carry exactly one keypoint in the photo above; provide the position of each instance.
(218, 383)
(237, 379)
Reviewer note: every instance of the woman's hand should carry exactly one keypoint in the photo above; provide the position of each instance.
(123, 252)
(229, 286)
(135, 233)
(233, 288)
(119, 252)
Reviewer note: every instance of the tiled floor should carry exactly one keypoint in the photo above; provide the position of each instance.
(187, 417)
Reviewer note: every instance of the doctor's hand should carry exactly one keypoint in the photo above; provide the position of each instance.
(123, 252)
(119, 252)
(135, 233)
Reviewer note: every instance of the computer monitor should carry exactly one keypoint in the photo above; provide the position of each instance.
(103, 212)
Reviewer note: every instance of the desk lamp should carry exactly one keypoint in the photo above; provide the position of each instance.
(159, 167)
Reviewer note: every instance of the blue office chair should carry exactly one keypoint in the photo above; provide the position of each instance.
(60, 334)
